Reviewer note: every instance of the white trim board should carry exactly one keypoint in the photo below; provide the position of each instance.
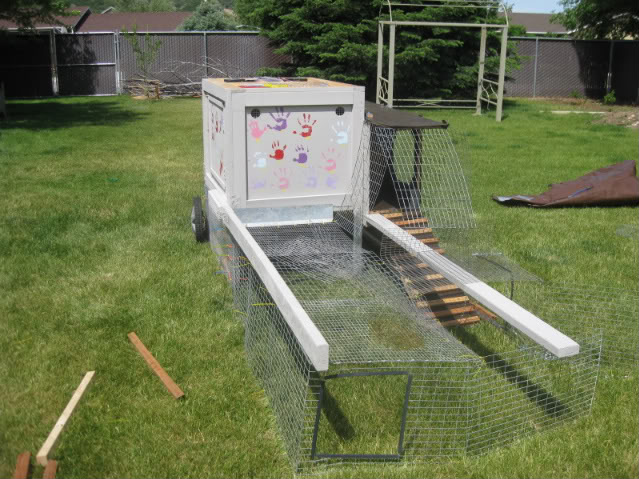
(307, 334)
(539, 331)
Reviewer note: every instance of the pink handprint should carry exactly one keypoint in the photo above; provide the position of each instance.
(281, 119)
(255, 130)
(278, 153)
(302, 155)
(307, 126)
(330, 157)
(282, 178)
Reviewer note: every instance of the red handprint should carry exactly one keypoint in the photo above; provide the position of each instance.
(278, 153)
(307, 126)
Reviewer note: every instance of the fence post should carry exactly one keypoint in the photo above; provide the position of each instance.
(116, 53)
(609, 77)
(54, 64)
(535, 68)
(206, 57)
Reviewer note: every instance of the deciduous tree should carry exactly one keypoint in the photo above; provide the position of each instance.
(600, 19)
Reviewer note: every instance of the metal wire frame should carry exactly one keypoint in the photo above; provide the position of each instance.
(389, 414)
(580, 309)
(384, 92)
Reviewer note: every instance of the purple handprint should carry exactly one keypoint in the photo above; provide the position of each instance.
(302, 155)
(311, 180)
(281, 119)
(331, 182)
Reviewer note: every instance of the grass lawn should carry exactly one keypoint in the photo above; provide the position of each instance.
(95, 242)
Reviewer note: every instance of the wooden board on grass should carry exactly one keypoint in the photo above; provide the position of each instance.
(155, 366)
(49, 444)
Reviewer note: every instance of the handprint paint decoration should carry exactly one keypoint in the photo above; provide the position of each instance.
(278, 152)
(341, 132)
(280, 118)
(306, 126)
(308, 152)
(256, 131)
(331, 156)
(302, 155)
(282, 175)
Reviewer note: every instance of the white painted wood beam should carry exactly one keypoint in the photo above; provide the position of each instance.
(307, 334)
(539, 331)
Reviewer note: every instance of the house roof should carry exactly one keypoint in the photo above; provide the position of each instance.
(144, 21)
(536, 22)
(69, 23)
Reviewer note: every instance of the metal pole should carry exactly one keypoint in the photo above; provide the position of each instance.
(116, 54)
(480, 76)
(609, 77)
(380, 59)
(502, 71)
(391, 66)
(206, 56)
(55, 86)
(535, 70)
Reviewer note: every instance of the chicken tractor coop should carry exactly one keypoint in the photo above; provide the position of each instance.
(372, 346)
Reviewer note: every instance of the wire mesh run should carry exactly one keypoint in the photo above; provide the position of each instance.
(400, 389)
(585, 310)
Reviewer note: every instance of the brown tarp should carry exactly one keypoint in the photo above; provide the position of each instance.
(615, 185)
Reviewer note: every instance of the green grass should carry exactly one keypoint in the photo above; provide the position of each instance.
(95, 243)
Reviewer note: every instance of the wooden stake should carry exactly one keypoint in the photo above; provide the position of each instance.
(155, 366)
(50, 470)
(49, 444)
(22, 465)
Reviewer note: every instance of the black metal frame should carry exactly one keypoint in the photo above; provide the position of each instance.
(318, 415)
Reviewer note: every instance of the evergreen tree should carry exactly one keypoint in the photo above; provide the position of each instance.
(144, 5)
(337, 40)
(208, 16)
(26, 13)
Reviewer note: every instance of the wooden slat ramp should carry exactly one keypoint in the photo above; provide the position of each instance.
(426, 287)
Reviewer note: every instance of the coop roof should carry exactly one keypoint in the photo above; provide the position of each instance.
(392, 118)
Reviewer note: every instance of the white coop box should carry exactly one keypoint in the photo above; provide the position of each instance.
(271, 142)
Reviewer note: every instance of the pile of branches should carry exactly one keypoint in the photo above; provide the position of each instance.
(180, 78)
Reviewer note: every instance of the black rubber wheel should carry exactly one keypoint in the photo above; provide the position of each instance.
(198, 221)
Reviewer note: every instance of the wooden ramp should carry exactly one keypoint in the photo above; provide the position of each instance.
(425, 286)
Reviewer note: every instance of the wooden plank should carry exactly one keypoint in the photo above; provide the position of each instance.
(305, 331)
(442, 301)
(461, 321)
(155, 366)
(393, 215)
(50, 470)
(442, 313)
(530, 325)
(410, 222)
(22, 465)
(419, 231)
(54, 435)
(429, 240)
(445, 288)
(483, 310)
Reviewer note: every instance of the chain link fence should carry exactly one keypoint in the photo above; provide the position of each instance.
(554, 67)
(102, 63)
(42, 65)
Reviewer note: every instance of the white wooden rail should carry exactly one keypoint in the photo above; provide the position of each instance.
(526, 322)
(309, 337)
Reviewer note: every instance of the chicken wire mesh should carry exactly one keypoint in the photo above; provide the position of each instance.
(579, 309)
(400, 389)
